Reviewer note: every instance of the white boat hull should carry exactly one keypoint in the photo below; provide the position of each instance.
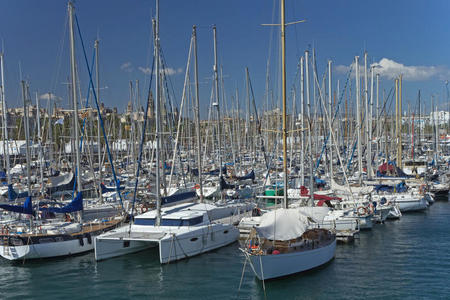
(279, 265)
(172, 245)
(46, 250)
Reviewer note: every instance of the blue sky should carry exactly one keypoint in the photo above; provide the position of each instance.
(412, 36)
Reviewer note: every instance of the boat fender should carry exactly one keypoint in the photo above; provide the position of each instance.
(361, 210)
(89, 238)
(80, 239)
(275, 252)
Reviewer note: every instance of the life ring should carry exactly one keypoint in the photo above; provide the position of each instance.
(197, 186)
(361, 211)
(144, 209)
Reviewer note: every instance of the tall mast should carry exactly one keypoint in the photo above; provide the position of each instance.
(308, 106)
(378, 116)
(302, 113)
(157, 114)
(358, 119)
(50, 126)
(74, 96)
(27, 134)
(397, 122)
(283, 90)
(41, 162)
(400, 123)
(99, 154)
(5, 119)
(217, 104)
(366, 109)
(330, 117)
(369, 131)
(197, 114)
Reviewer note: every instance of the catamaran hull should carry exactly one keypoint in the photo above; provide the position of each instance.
(172, 246)
(280, 265)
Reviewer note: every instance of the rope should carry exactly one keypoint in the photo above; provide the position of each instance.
(100, 115)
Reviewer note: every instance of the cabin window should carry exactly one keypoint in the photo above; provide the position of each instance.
(140, 221)
(126, 244)
(225, 232)
(194, 239)
(170, 222)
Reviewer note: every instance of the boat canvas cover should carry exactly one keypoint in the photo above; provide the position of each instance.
(353, 189)
(250, 175)
(62, 183)
(27, 207)
(316, 213)
(75, 205)
(192, 195)
(282, 224)
(13, 195)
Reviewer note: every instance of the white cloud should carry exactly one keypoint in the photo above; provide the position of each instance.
(126, 67)
(391, 69)
(166, 71)
(51, 96)
(145, 70)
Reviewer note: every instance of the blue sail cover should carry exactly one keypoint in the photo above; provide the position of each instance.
(107, 189)
(13, 195)
(250, 175)
(75, 205)
(27, 207)
(178, 197)
(225, 186)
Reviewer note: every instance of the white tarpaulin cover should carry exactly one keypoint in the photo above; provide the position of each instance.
(353, 189)
(282, 224)
(316, 213)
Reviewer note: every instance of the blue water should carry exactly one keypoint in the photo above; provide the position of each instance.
(409, 258)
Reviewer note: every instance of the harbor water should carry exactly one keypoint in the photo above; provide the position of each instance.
(403, 259)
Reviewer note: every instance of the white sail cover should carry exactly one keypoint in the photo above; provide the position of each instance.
(282, 224)
(352, 190)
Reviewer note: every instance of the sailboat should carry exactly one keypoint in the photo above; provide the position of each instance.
(45, 238)
(178, 230)
(284, 243)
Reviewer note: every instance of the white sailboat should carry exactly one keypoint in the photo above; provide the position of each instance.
(284, 242)
(44, 238)
(181, 230)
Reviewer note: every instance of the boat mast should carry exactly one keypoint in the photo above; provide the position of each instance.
(41, 162)
(74, 96)
(308, 106)
(283, 92)
(330, 117)
(369, 139)
(99, 154)
(197, 114)
(5, 120)
(217, 104)
(400, 122)
(302, 113)
(358, 119)
(157, 114)
(27, 134)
